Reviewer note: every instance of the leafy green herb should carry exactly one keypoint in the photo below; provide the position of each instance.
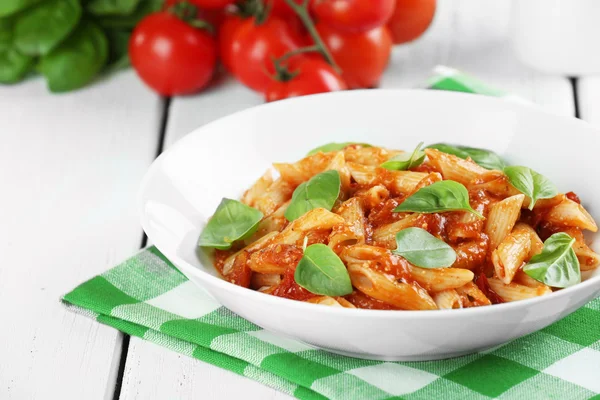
(77, 60)
(530, 183)
(439, 197)
(112, 7)
(14, 66)
(334, 147)
(557, 265)
(321, 191)
(321, 271)
(6, 34)
(9, 7)
(405, 161)
(423, 249)
(43, 27)
(232, 221)
(485, 158)
(129, 21)
(118, 55)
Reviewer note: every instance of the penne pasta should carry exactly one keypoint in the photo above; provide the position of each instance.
(455, 168)
(331, 302)
(472, 296)
(303, 170)
(353, 231)
(264, 281)
(570, 213)
(447, 299)
(514, 291)
(278, 193)
(385, 236)
(258, 189)
(373, 196)
(380, 287)
(511, 254)
(438, 279)
(318, 219)
(588, 258)
(374, 156)
(502, 218)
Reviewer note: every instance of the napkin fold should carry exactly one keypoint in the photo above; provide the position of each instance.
(147, 297)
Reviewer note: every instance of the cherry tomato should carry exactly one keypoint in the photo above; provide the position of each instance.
(253, 47)
(410, 19)
(212, 4)
(314, 76)
(171, 56)
(362, 57)
(281, 9)
(353, 15)
(226, 33)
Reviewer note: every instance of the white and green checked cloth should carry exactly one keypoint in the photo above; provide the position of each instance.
(146, 296)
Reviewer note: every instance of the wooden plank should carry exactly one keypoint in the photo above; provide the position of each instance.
(70, 166)
(589, 100)
(470, 35)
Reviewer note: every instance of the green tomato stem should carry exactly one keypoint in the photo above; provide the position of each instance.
(302, 13)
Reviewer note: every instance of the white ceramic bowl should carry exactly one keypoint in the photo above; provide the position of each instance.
(184, 186)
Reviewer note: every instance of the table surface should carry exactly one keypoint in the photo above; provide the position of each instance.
(71, 164)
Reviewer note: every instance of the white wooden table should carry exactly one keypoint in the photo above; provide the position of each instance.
(70, 166)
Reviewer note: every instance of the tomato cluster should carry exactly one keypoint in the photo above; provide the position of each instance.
(279, 48)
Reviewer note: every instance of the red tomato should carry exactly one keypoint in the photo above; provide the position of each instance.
(170, 56)
(211, 4)
(362, 56)
(314, 76)
(226, 34)
(281, 9)
(254, 46)
(410, 19)
(353, 15)
(213, 17)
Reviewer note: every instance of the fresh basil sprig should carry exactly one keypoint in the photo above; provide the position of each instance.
(321, 191)
(424, 250)
(334, 147)
(532, 184)
(111, 7)
(41, 28)
(14, 66)
(557, 265)
(405, 161)
(231, 221)
(9, 7)
(321, 271)
(440, 196)
(485, 158)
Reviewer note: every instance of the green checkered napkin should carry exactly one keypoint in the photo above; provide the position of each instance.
(146, 296)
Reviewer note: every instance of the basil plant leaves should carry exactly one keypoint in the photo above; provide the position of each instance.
(485, 158)
(405, 161)
(424, 250)
(321, 191)
(321, 271)
(557, 265)
(532, 184)
(231, 221)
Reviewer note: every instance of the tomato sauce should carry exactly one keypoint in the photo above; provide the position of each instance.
(361, 300)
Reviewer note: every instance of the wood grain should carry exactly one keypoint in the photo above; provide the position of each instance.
(69, 168)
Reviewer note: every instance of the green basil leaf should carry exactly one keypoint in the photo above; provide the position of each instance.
(530, 183)
(111, 7)
(441, 196)
(557, 265)
(41, 28)
(321, 271)
(405, 161)
(9, 7)
(321, 191)
(6, 34)
(231, 221)
(14, 66)
(77, 60)
(334, 147)
(485, 158)
(131, 20)
(118, 55)
(422, 249)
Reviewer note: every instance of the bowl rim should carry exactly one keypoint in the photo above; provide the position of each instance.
(220, 283)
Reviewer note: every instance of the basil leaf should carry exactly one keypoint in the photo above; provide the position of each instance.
(404, 161)
(321, 271)
(6, 34)
(14, 66)
(557, 265)
(485, 158)
(131, 20)
(77, 60)
(334, 147)
(530, 183)
(422, 249)
(321, 191)
(231, 221)
(441, 196)
(43, 27)
(9, 7)
(111, 7)
(118, 55)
